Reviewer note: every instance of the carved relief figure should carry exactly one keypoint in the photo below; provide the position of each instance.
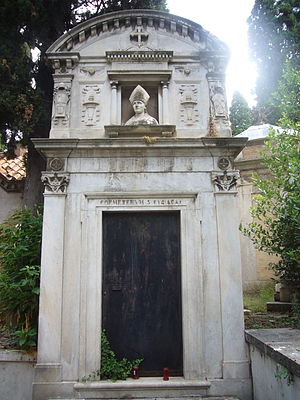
(218, 102)
(61, 103)
(139, 99)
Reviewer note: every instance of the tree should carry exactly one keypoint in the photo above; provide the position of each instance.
(274, 36)
(276, 215)
(95, 7)
(26, 86)
(288, 94)
(240, 114)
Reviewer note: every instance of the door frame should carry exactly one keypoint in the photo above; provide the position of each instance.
(188, 204)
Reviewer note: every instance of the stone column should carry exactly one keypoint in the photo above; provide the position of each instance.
(165, 102)
(50, 309)
(235, 360)
(114, 100)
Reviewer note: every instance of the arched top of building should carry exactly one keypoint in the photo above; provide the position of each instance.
(138, 22)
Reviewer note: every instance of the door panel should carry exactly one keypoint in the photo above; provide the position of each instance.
(142, 288)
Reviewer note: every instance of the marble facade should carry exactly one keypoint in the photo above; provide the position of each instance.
(96, 164)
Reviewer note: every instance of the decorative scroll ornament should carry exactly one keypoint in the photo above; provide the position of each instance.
(55, 183)
(225, 181)
(61, 106)
(90, 105)
(189, 113)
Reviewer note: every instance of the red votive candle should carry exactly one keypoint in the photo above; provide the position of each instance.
(166, 374)
(135, 373)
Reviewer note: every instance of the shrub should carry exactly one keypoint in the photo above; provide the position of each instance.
(276, 215)
(111, 368)
(20, 242)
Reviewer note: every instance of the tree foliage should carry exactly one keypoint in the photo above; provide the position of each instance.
(26, 86)
(20, 241)
(274, 36)
(276, 215)
(95, 7)
(240, 114)
(288, 94)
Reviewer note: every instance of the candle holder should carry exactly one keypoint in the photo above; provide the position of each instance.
(166, 374)
(135, 373)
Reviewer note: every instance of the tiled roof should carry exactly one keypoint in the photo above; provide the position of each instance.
(12, 173)
(12, 169)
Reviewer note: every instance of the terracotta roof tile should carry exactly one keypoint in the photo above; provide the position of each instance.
(12, 168)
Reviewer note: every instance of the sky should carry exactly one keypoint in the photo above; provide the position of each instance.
(226, 19)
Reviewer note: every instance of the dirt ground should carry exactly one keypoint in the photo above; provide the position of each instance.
(265, 320)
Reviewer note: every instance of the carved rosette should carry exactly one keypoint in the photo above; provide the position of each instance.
(55, 183)
(55, 164)
(225, 181)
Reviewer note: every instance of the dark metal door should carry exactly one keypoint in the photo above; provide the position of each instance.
(141, 309)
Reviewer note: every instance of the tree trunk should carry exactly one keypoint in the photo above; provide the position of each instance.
(33, 191)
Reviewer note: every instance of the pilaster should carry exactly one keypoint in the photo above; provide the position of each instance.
(50, 315)
(235, 360)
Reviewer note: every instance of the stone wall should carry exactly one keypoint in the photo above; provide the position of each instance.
(9, 201)
(16, 375)
(275, 361)
(255, 264)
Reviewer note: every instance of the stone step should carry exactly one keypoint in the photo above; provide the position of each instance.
(163, 398)
(279, 306)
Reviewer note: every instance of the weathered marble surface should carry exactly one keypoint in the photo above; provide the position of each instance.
(93, 166)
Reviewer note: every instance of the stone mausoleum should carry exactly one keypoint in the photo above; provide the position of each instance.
(140, 219)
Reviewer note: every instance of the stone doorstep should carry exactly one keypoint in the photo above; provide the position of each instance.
(166, 398)
(144, 388)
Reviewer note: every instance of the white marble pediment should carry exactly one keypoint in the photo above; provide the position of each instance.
(136, 30)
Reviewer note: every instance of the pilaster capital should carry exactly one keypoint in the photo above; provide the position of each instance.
(225, 181)
(114, 84)
(165, 84)
(55, 183)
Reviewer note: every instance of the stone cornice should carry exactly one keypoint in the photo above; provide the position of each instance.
(250, 164)
(139, 55)
(195, 147)
(109, 23)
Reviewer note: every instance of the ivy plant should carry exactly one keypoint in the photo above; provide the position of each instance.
(111, 368)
